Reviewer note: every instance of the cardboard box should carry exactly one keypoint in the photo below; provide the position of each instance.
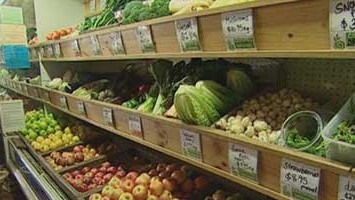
(13, 34)
(11, 15)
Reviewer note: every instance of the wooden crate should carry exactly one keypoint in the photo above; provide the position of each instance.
(59, 99)
(33, 91)
(44, 94)
(94, 112)
(76, 105)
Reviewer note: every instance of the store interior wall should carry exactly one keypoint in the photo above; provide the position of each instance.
(28, 10)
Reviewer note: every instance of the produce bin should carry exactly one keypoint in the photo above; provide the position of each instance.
(33, 91)
(76, 105)
(44, 94)
(338, 150)
(59, 99)
(100, 113)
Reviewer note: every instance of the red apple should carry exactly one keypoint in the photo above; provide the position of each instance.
(106, 164)
(140, 192)
(95, 196)
(115, 182)
(92, 186)
(79, 176)
(132, 175)
(112, 170)
(166, 195)
(187, 186)
(152, 197)
(76, 172)
(79, 157)
(67, 176)
(143, 179)
(76, 149)
(94, 170)
(96, 180)
(126, 196)
(172, 167)
(127, 185)
(103, 169)
(156, 188)
(85, 170)
(161, 167)
(121, 174)
(107, 177)
(87, 180)
(100, 174)
(163, 175)
(153, 172)
(82, 188)
(201, 183)
(170, 184)
(179, 176)
(105, 198)
(101, 182)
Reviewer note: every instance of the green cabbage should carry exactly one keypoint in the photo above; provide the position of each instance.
(240, 83)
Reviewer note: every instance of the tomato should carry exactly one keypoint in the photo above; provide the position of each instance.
(63, 32)
(55, 36)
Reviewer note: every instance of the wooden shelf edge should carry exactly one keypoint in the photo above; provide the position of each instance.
(325, 54)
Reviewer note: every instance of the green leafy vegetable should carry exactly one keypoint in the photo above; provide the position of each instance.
(161, 7)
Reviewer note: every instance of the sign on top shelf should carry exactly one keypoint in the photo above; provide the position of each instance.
(11, 15)
(342, 24)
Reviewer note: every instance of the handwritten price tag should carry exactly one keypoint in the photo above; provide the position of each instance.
(190, 144)
(187, 33)
(95, 45)
(92, 5)
(342, 25)
(81, 108)
(102, 4)
(346, 188)
(243, 162)
(57, 51)
(75, 48)
(63, 102)
(135, 126)
(238, 29)
(145, 40)
(107, 115)
(299, 181)
(49, 51)
(116, 44)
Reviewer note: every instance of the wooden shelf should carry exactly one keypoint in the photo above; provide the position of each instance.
(282, 29)
(163, 134)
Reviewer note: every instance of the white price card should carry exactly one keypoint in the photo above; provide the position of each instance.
(102, 4)
(95, 45)
(63, 102)
(191, 144)
(41, 51)
(49, 51)
(145, 39)
(57, 50)
(187, 33)
(107, 115)
(346, 189)
(342, 24)
(299, 181)
(243, 162)
(75, 48)
(116, 43)
(135, 126)
(92, 5)
(12, 116)
(238, 29)
(81, 107)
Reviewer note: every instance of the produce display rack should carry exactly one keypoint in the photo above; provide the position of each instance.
(283, 29)
(163, 134)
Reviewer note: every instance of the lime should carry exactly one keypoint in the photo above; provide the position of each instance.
(33, 135)
(57, 128)
(43, 125)
(42, 133)
(24, 131)
(50, 130)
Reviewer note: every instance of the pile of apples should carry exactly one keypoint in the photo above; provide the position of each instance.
(223, 195)
(79, 153)
(151, 186)
(89, 178)
(55, 140)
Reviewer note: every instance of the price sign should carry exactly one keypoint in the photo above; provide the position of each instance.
(346, 188)
(75, 48)
(135, 126)
(187, 33)
(95, 45)
(102, 4)
(342, 24)
(190, 144)
(57, 51)
(145, 40)
(243, 162)
(49, 51)
(116, 44)
(63, 102)
(238, 29)
(299, 181)
(107, 115)
(92, 5)
(81, 108)
(41, 51)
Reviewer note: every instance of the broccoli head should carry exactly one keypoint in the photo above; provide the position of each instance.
(161, 7)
